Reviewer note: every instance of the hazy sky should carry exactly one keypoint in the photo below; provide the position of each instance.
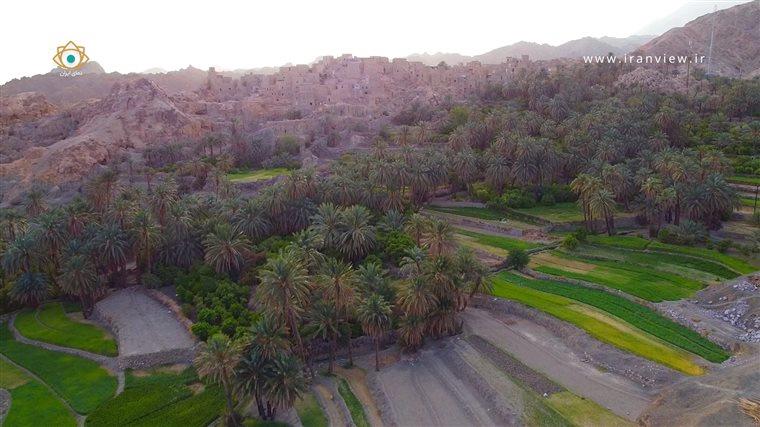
(138, 34)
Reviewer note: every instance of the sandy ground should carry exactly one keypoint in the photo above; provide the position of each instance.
(142, 324)
(711, 400)
(426, 390)
(543, 351)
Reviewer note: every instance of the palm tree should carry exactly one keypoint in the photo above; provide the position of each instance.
(30, 288)
(284, 290)
(411, 332)
(12, 223)
(111, 246)
(327, 223)
(374, 313)
(34, 203)
(147, 237)
(338, 282)
(602, 203)
(358, 235)
(284, 384)
(324, 320)
(21, 254)
(417, 226)
(440, 239)
(415, 296)
(250, 220)
(226, 249)
(269, 337)
(216, 360)
(80, 279)
(51, 234)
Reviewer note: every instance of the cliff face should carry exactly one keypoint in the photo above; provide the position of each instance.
(736, 41)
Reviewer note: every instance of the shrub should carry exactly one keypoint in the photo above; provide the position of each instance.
(151, 281)
(755, 218)
(724, 245)
(287, 144)
(517, 259)
(548, 200)
(688, 233)
(393, 245)
(570, 242)
(202, 330)
(481, 192)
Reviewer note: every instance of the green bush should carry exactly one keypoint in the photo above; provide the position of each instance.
(548, 200)
(570, 242)
(517, 259)
(150, 281)
(202, 330)
(724, 245)
(393, 245)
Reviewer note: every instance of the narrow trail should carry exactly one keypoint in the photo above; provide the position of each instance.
(110, 363)
(326, 397)
(79, 417)
(357, 380)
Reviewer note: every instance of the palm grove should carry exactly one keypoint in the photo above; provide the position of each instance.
(292, 274)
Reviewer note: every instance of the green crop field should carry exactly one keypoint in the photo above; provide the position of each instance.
(51, 324)
(633, 242)
(635, 314)
(638, 280)
(599, 324)
(256, 175)
(560, 212)
(161, 398)
(471, 211)
(488, 242)
(745, 179)
(31, 403)
(700, 269)
(309, 412)
(81, 382)
(352, 402)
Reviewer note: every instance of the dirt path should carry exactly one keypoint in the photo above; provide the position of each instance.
(423, 391)
(542, 351)
(357, 379)
(327, 398)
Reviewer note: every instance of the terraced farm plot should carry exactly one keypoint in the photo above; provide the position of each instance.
(256, 175)
(50, 324)
(699, 269)
(632, 242)
(309, 412)
(745, 179)
(497, 245)
(160, 397)
(31, 402)
(82, 383)
(508, 219)
(560, 212)
(638, 280)
(635, 314)
(600, 325)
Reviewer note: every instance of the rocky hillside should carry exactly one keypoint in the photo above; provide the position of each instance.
(59, 148)
(736, 42)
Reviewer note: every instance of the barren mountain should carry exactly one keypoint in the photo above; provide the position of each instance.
(130, 116)
(573, 49)
(736, 40)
